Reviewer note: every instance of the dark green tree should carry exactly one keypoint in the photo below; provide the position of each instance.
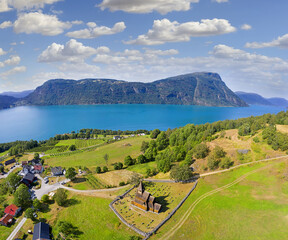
(37, 204)
(29, 213)
(141, 159)
(144, 146)
(70, 173)
(61, 196)
(128, 161)
(72, 147)
(155, 133)
(106, 158)
(98, 169)
(181, 173)
(105, 169)
(36, 156)
(13, 181)
(22, 197)
(200, 151)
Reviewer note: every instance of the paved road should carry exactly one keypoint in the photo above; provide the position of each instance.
(11, 170)
(16, 230)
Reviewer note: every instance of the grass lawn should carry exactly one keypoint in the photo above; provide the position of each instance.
(80, 143)
(141, 168)
(167, 194)
(255, 208)
(117, 151)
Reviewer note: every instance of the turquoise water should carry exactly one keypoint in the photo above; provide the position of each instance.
(39, 123)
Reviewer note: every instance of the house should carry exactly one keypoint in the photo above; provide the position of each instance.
(8, 162)
(145, 201)
(56, 171)
(38, 168)
(41, 231)
(6, 220)
(28, 179)
(116, 137)
(24, 163)
(34, 161)
(26, 169)
(12, 210)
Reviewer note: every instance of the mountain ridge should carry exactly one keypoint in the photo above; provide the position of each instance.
(200, 88)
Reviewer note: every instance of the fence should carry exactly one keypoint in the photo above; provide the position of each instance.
(145, 234)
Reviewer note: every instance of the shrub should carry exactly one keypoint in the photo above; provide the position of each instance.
(98, 169)
(105, 169)
(122, 184)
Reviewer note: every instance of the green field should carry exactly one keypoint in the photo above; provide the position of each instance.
(117, 151)
(255, 208)
(79, 143)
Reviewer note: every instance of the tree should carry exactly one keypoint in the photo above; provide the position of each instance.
(72, 147)
(106, 158)
(155, 133)
(70, 173)
(22, 197)
(141, 159)
(37, 204)
(162, 141)
(181, 173)
(29, 213)
(61, 196)
(45, 198)
(118, 166)
(144, 146)
(36, 156)
(200, 151)
(213, 162)
(98, 169)
(1, 168)
(105, 169)
(135, 179)
(226, 162)
(128, 161)
(219, 152)
(13, 181)
(67, 229)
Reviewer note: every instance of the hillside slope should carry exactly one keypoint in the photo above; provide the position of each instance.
(205, 89)
(7, 101)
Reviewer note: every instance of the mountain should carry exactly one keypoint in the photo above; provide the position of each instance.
(253, 98)
(202, 88)
(7, 101)
(17, 94)
(278, 101)
(256, 99)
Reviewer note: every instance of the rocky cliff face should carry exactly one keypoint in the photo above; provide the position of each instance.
(191, 89)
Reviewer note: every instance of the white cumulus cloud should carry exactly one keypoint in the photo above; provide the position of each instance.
(166, 31)
(2, 52)
(281, 42)
(95, 31)
(147, 6)
(246, 27)
(37, 22)
(220, 1)
(6, 24)
(72, 51)
(13, 71)
(7, 5)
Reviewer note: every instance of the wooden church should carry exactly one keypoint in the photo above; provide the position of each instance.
(145, 200)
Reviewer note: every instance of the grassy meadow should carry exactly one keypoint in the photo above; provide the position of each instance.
(255, 208)
(117, 151)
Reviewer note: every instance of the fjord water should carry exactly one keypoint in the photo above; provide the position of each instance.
(43, 122)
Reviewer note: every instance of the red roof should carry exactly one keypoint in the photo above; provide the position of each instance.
(38, 167)
(7, 219)
(12, 209)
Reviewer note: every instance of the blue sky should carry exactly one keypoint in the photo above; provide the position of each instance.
(244, 41)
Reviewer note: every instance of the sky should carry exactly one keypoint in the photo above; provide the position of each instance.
(245, 41)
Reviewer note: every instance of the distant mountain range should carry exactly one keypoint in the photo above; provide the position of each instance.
(17, 94)
(256, 99)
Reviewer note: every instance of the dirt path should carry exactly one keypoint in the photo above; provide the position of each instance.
(185, 216)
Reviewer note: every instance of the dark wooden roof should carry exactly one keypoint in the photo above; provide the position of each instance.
(41, 231)
(10, 161)
(29, 177)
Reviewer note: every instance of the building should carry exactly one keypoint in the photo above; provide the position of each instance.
(34, 161)
(38, 168)
(12, 210)
(41, 231)
(117, 137)
(8, 162)
(28, 179)
(56, 171)
(145, 200)
(6, 220)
